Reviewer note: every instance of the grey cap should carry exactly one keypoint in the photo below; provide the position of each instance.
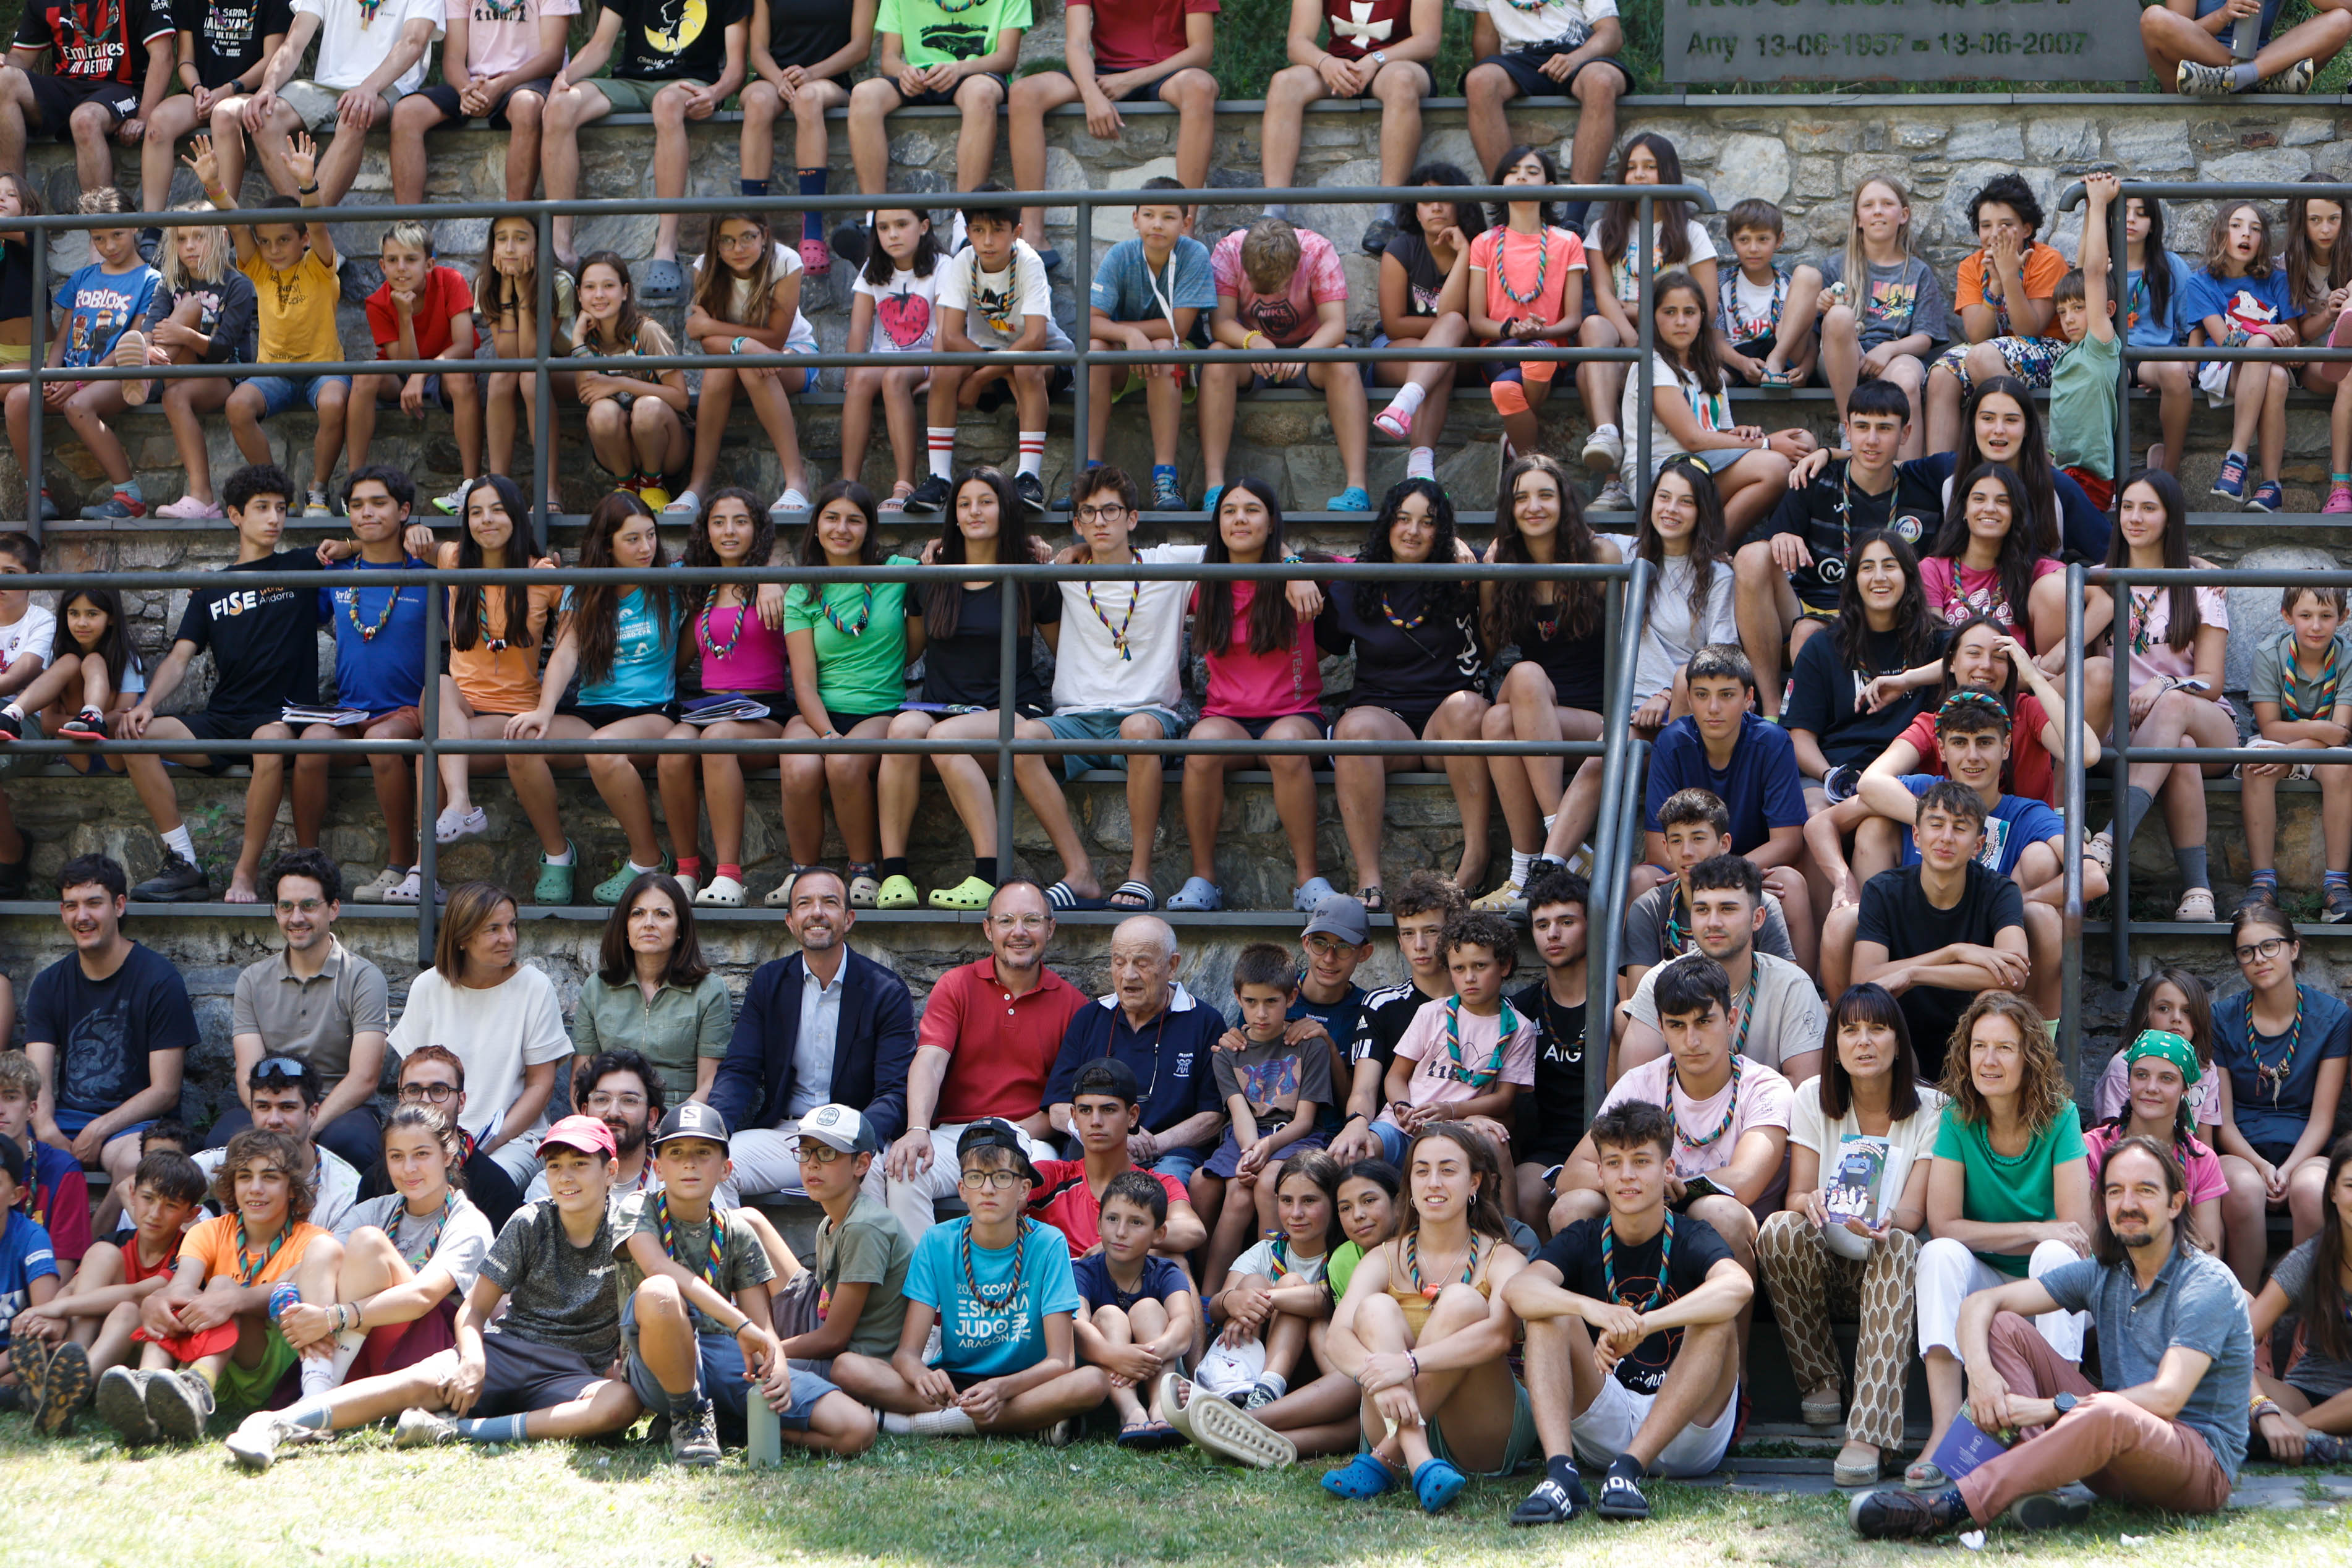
(1343, 917)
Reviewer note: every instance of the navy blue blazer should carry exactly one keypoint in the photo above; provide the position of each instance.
(872, 1049)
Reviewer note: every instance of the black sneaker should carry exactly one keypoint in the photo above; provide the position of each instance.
(1893, 1514)
(1030, 491)
(1377, 236)
(931, 495)
(849, 244)
(2050, 1511)
(10, 726)
(2260, 896)
(177, 883)
(2320, 1448)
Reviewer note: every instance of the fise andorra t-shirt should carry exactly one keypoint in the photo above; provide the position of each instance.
(264, 641)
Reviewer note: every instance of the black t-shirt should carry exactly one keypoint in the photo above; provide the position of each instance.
(229, 33)
(93, 41)
(1576, 1254)
(1575, 664)
(1896, 914)
(804, 32)
(225, 312)
(963, 671)
(1423, 281)
(667, 40)
(1409, 653)
(1381, 1021)
(1829, 515)
(16, 281)
(264, 641)
(1551, 1118)
(2083, 528)
(1825, 689)
(1339, 1020)
(104, 1029)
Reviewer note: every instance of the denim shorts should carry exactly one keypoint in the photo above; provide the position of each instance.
(280, 392)
(1102, 724)
(719, 1377)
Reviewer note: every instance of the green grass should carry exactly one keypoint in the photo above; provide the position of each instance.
(954, 1504)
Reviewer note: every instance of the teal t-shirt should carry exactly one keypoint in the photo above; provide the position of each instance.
(860, 630)
(2083, 406)
(2005, 1191)
(644, 657)
(972, 1339)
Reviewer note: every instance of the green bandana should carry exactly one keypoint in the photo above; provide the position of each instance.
(2171, 1047)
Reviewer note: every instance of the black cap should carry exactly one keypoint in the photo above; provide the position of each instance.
(995, 1134)
(692, 1120)
(1108, 1075)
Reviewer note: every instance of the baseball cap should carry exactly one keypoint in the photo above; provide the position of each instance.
(996, 1133)
(1343, 917)
(14, 1158)
(839, 1126)
(583, 1134)
(1106, 1075)
(692, 1120)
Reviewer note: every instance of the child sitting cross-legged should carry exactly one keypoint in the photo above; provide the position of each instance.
(1274, 1292)
(1274, 1086)
(28, 1273)
(1140, 1309)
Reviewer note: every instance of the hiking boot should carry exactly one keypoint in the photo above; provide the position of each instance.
(2194, 80)
(694, 1440)
(65, 1389)
(2335, 903)
(2295, 79)
(178, 882)
(179, 1404)
(121, 1402)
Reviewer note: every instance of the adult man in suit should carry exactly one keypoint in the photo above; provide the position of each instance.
(825, 1026)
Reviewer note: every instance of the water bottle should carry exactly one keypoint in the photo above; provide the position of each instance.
(767, 1440)
(2246, 36)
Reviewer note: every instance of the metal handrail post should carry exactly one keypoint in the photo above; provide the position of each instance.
(2119, 291)
(1613, 850)
(1011, 644)
(1645, 332)
(37, 356)
(2069, 1028)
(2119, 640)
(1081, 375)
(428, 781)
(542, 392)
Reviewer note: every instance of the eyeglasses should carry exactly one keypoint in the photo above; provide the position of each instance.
(1021, 922)
(993, 1181)
(600, 1100)
(1110, 513)
(813, 1152)
(434, 1093)
(307, 906)
(747, 240)
(1323, 943)
(2269, 947)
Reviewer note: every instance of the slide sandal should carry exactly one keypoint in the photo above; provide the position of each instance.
(1198, 896)
(1621, 1498)
(1231, 1433)
(1060, 898)
(1145, 900)
(1361, 1479)
(1437, 1484)
(1551, 1503)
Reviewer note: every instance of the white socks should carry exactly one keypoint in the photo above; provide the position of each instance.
(1421, 463)
(949, 1423)
(179, 842)
(320, 1377)
(1408, 400)
(1520, 866)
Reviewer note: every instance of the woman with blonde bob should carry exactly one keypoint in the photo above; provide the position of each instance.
(2008, 1193)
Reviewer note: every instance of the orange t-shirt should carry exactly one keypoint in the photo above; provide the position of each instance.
(2042, 268)
(505, 681)
(214, 1245)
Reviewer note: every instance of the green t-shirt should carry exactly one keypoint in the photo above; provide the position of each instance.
(2083, 406)
(1342, 1267)
(862, 671)
(2005, 1191)
(870, 1247)
(742, 1264)
(931, 34)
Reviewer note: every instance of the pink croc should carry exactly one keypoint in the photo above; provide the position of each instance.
(815, 257)
(2340, 501)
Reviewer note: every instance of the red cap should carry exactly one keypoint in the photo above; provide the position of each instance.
(587, 1135)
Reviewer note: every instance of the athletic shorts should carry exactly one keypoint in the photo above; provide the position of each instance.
(2102, 491)
(1607, 1427)
(523, 1375)
(207, 725)
(54, 98)
(241, 1388)
(631, 96)
(70, 1121)
(1102, 724)
(998, 394)
(444, 97)
(1229, 1152)
(596, 716)
(944, 99)
(1525, 67)
(316, 103)
(387, 394)
(1256, 729)
(2030, 360)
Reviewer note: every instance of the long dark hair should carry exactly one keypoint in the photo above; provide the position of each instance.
(1271, 622)
(1872, 1004)
(1323, 1171)
(1915, 628)
(1546, 214)
(714, 285)
(943, 602)
(2156, 271)
(2032, 463)
(879, 269)
(1702, 359)
(1468, 216)
(700, 553)
(465, 616)
(628, 318)
(1486, 1169)
(596, 607)
(616, 963)
(2301, 286)
(1709, 553)
(114, 643)
(2192, 991)
(2320, 1303)
(2014, 565)
(1614, 235)
(1581, 609)
(2182, 625)
(2006, 690)
(1446, 597)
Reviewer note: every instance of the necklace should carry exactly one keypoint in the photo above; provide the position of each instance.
(418, 1258)
(368, 633)
(246, 1275)
(711, 1267)
(712, 648)
(2274, 1074)
(1481, 1077)
(1747, 1016)
(1117, 632)
(1730, 1110)
(865, 611)
(2328, 682)
(1003, 1301)
(1543, 257)
(1412, 1265)
(2140, 640)
(1609, 1263)
(1672, 936)
(1403, 625)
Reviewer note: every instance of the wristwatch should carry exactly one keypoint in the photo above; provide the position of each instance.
(1379, 56)
(2063, 1403)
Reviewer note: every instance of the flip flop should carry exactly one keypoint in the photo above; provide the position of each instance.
(1437, 1484)
(1198, 896)
(1229, 1432)
(1160, 1434)
(1137, 891)
(68, 1390)
(1361, 1479)
(1550, 1503)
(1136, 1438)
(1061, 899)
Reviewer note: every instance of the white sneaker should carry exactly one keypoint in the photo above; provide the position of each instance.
(377, 890)
(253, 1445)
(423, 1430)
(724, 893)
(454, 503)
(1604, 450)
(453, 825)
(1613, 497)
(315, 504)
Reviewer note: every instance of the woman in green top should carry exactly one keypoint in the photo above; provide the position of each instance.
(2009, 1192)
(653, 993)
(849, 645)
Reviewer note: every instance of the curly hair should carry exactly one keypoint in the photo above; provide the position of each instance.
(261, 1143)
(2041, 1098)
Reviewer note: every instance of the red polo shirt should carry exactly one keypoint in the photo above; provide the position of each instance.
(1064, 1200)
(999, 1047)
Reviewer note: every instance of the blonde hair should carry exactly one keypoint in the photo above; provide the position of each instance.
(214, 267)
(1857, 259)
(105, 199)
(410, 234)
(1270, 254)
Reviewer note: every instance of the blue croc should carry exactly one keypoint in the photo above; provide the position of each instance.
(1199, 896)
(1437, 1484)
(1312, 893)
(1363, 1477)
(1355, 498)
(1209, 500)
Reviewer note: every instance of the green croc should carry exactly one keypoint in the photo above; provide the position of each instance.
(898, 893)
(608, 891)
(554, 884)
(972, 893)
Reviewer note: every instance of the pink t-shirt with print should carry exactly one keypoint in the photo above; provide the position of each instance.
(1765, 1099)
(1245, 685)
(1437, 1081)
(501, 37)
(1288, 317)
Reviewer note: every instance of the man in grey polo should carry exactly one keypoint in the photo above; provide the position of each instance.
(318, 1002)
(2175, 1350)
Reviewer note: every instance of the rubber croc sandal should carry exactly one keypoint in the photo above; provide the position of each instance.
(1175, 1394)
(1551, 1503)
(1361, 1479)
(863, 889)
(1621, 1498)
(67, 1389)
(780, 897)
(663, 282)
(1061, 899)
(1146, 899)
(972, 893)
(1437, 1484)
(1922, 1475)
(1310, 893)
(1229, 1432)
(724, 893)
(898, 893)
(1198, 896)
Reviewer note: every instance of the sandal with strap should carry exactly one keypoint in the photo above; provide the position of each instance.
(899, 494)
(1361, 1479)
(1924, 1476)
(1374, 899)
(1551, 1503)
(1141, 898)
(1198, 896)
(1437, 1484)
